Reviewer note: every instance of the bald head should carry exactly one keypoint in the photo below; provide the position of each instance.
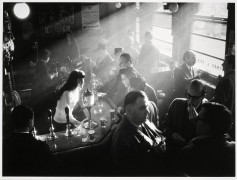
(189, 58)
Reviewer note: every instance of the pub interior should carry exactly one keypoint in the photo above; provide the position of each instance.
(96, 42)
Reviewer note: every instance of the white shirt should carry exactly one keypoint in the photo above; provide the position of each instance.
(69, 99)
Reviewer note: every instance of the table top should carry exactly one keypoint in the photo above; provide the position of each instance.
(80, 137)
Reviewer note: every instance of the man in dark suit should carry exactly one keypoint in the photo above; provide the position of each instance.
(23, 155)
(211, 153)
(137, 145)
(138, 83)
(44, 82)
(225, 89)
(184, 74)
(181, 120)
(42, 76)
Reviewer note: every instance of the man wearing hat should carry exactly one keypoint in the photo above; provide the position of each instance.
(125, 62)
(117, 53)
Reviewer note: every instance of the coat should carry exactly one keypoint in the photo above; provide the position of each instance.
(225, 91)
(132, 151)
(208, 156)
(23, 155)
(177, 120)
(182, 77)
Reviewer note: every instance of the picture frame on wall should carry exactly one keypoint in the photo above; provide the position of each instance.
(90, 17)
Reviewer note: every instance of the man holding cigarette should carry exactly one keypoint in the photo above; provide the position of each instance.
(181, 120)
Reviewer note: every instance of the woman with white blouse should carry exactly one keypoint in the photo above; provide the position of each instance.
(69, 96)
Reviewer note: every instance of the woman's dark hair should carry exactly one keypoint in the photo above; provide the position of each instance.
(72, 82)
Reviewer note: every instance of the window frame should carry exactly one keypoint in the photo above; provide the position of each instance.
(164, 57)
(211, 19)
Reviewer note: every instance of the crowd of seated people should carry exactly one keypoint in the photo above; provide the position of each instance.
(143, 144)
(181, 125)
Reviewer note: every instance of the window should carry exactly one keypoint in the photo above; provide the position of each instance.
(161, 29)
(162, 32)
(137, 33)
(208, 37)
